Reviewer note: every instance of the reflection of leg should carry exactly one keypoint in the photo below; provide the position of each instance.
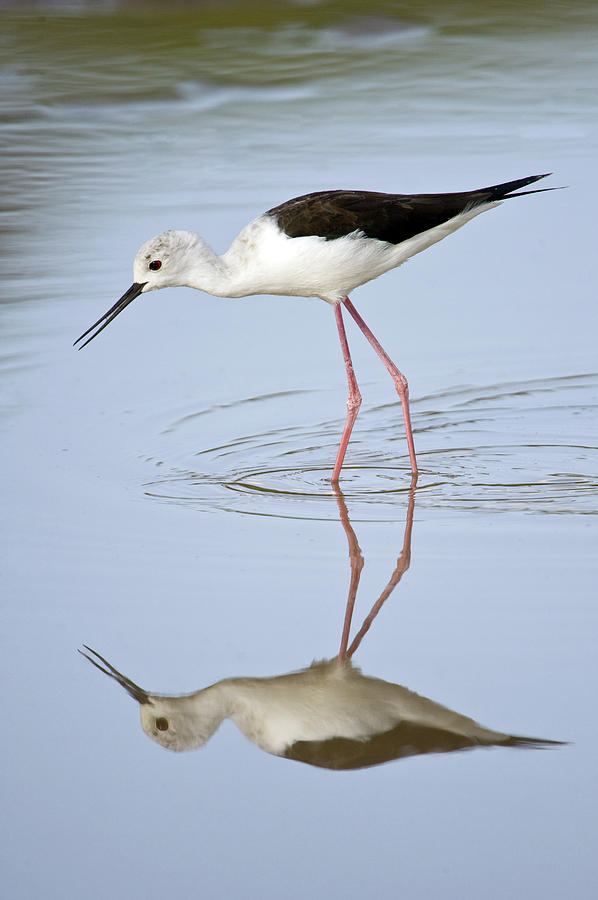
(397, 376)
(356, 559)
(354, 400)
(401, 567)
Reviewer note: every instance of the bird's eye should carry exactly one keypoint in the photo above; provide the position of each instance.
(155, 265)
(162, 724)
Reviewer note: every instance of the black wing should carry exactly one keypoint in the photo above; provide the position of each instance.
(386, 217)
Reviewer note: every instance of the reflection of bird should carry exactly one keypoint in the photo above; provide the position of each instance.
(320, 245)
(328, 715)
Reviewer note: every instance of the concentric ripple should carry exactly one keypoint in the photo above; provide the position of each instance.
(528, 446)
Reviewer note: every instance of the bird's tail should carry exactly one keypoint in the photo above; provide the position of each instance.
(506, 190)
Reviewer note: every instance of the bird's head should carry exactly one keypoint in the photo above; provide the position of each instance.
(166, 260)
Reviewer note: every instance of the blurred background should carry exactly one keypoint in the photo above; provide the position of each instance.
(165, 491)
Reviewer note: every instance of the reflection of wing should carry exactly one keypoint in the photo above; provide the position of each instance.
(406, 739)
(333, 716)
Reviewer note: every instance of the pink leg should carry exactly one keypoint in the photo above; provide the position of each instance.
(354, 401)
(397, 376)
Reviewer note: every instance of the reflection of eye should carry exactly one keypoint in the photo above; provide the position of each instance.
(155, 265)
(162, 724)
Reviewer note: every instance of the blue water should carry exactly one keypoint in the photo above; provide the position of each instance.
(165, 492)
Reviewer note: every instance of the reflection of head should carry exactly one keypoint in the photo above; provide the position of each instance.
(175, 724)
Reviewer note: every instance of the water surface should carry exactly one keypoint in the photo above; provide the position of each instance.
(166, 496)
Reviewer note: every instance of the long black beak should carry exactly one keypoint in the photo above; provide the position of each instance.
(130, 687)
(112, 313)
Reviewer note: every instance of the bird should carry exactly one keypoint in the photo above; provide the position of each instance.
(328, 715)
(323, 244)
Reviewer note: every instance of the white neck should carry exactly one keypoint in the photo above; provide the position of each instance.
(255, 263)
(208, 272)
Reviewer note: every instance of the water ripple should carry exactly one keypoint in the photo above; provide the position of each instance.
(529, 446)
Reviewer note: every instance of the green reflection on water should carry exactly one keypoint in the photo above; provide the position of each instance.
(143, 51)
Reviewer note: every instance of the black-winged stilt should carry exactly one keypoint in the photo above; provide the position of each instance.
(323, 245)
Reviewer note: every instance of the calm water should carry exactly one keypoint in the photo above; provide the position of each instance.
(166, 495)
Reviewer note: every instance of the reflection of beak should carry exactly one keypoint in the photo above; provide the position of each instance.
(112, 313)
(130, 687)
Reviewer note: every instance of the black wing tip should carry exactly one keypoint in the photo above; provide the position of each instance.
(507, 190)
(510, 186)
